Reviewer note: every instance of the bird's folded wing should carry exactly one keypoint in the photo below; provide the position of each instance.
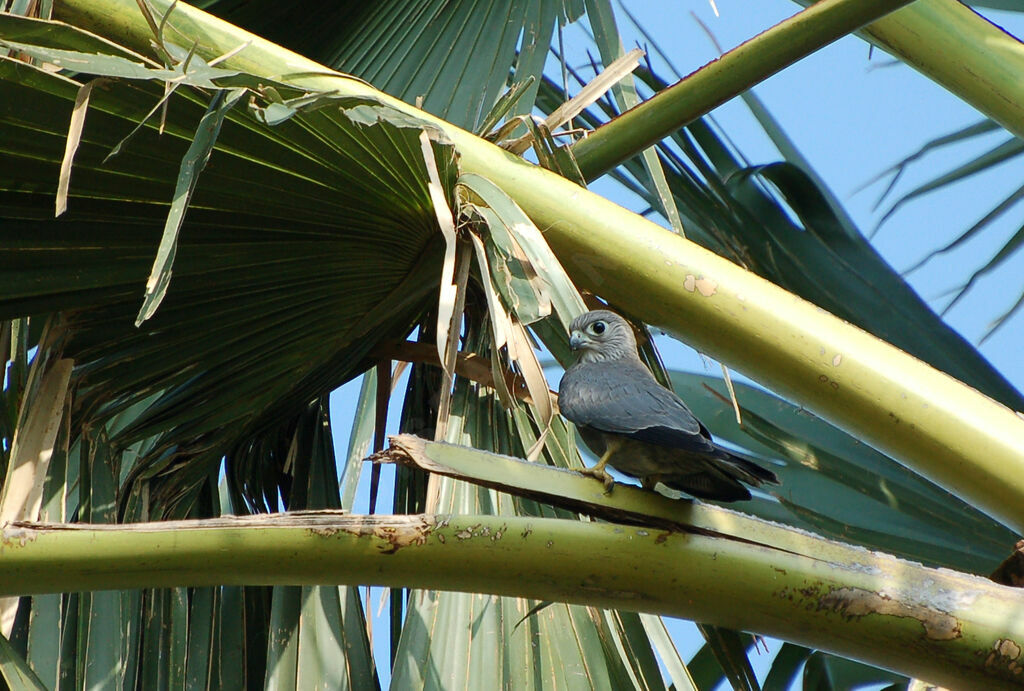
(627, 400)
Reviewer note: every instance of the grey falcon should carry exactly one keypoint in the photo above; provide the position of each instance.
(639, 427)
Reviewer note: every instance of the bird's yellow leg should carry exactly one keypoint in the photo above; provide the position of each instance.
(598, 470)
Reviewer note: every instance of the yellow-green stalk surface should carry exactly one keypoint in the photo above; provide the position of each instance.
(949, 628)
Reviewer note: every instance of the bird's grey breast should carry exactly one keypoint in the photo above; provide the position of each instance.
(581, 393)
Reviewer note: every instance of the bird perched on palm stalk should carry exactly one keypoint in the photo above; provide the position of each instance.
(639, 427)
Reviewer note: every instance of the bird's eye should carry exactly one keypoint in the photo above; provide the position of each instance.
(597, 328)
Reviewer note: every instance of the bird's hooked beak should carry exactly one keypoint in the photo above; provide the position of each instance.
(577, 340)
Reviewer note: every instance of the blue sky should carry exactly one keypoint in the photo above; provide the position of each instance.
(852, 116)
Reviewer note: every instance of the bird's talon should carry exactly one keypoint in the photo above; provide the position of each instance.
(602, 475)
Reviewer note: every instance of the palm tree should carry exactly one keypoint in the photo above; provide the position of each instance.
(280, 222)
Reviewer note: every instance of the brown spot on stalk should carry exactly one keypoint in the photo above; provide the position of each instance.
(1007, 648)
(704, 286)
(12, 536)
(854, 603)
(414, 530)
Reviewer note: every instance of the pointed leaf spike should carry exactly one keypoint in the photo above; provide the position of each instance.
(71, 146)
(192, 164)
(448, 292)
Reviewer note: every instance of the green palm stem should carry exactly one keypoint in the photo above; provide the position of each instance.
(946, 627)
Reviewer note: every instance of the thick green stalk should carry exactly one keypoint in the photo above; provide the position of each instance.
(951, 44)
(949, 628)
(720, 80)
(936, 425)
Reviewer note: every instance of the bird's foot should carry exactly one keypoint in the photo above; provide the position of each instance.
(602, 475)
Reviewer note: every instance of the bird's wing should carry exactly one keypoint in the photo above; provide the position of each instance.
(623, 398)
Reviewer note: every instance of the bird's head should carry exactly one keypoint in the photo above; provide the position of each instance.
(602, 335)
